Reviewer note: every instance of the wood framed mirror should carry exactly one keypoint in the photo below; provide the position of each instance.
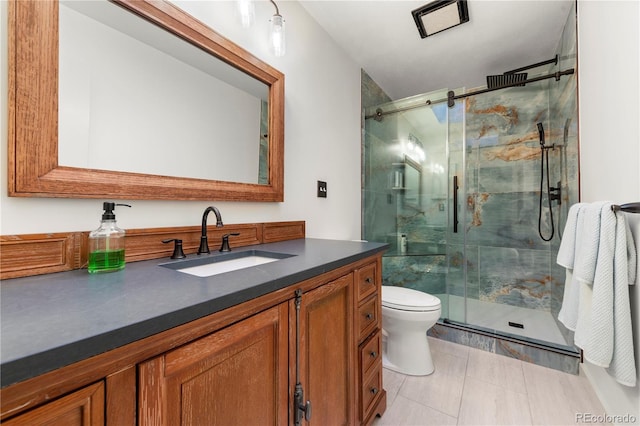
(34, 169)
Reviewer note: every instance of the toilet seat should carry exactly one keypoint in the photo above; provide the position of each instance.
(407, 299)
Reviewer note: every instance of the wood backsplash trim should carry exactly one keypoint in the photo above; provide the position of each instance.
(282, 231)
(36, 254)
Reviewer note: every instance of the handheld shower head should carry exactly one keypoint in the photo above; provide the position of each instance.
(541, 134)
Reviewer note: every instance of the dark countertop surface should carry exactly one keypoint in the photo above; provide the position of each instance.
(49, 321)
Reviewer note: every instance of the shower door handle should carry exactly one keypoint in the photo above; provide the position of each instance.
(455, 204)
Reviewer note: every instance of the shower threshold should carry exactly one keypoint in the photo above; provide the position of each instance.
(514, 338)
(566, 359)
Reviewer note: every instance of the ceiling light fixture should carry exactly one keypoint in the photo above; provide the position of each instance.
(440, 15)
(277, 34)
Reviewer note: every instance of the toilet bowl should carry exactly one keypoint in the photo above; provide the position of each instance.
(407, 314)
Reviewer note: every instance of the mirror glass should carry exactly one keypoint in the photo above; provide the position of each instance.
(92, 118)
(412, 183)
(136, 98)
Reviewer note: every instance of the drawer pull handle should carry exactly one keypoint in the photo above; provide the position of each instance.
(369, 316)
(374, 391)
(373, 354)
(369, 280)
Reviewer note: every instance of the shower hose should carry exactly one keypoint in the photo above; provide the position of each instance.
(544, 157)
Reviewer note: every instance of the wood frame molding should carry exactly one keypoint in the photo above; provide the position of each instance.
(36, 254)
(33, 113)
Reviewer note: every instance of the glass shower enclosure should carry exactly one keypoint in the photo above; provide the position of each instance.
(456, 193)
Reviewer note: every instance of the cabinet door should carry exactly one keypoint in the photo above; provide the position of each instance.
(235, 376)
(84, 407)
(327, 352)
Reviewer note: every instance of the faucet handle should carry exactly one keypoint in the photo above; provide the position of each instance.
(178, 253)
(225, 241)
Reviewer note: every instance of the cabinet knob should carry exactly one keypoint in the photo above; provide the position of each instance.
(369, 316)
(368, 280)
(374, 390)
(373, 354)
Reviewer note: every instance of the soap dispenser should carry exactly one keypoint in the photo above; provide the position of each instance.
(106, 244)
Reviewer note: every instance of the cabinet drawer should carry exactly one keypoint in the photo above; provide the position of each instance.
(370, 354)
(82, 407)
(366, 282)
(368, 317)
(371, 388)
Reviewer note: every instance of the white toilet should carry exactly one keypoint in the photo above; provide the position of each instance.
(407, 314)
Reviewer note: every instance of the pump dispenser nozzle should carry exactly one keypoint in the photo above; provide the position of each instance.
(109, 207)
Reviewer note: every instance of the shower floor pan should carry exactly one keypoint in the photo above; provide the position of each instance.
(538, 325)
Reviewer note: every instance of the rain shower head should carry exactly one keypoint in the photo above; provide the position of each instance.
(515, 77)
(512, 79)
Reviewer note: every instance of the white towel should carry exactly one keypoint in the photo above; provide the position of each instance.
(585, 271)
(567, 250)
(585, 264)
(632, 253)
(596, 301)
(595, 330)
(623, 366)
(570, 244)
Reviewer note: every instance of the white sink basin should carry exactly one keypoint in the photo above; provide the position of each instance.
(214, 265)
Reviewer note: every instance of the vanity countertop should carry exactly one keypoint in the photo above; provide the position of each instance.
(53, 320)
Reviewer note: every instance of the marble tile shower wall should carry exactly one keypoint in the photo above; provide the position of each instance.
(507, 262)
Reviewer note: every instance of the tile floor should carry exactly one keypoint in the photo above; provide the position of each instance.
(474, 387)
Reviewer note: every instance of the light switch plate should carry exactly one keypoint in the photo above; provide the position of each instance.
(322, 189)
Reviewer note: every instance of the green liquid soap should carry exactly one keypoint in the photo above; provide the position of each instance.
(106, 261)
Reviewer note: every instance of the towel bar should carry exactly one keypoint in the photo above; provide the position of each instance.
(629, 207)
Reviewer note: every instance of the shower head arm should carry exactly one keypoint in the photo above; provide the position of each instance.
(539, 64)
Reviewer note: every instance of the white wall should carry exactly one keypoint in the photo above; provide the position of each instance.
(609, 89)
(322, 138)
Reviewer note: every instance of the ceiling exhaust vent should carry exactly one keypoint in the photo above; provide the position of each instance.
(440, 15)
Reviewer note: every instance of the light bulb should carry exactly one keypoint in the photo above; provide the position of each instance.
(247, 12)
(277, 35)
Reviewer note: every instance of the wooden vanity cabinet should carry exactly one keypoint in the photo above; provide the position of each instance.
(372, 397)
(238, 375)
(237, 366)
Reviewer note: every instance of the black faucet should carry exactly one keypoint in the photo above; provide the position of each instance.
(204, 244)
(225, 241)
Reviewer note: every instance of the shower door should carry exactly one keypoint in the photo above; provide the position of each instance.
(503, 277)
(405, 194)
(455, 191)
